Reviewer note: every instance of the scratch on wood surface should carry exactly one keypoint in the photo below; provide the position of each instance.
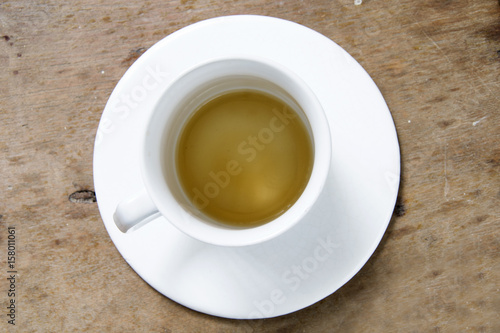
(478, 121)
(434, 43)
(450, 62)
(494, 95)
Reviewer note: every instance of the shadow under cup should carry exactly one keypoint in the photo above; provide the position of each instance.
(182, 99)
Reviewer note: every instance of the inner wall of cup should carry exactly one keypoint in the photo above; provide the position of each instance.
(186, 109)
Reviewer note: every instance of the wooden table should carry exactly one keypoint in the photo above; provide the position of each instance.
(437, 64)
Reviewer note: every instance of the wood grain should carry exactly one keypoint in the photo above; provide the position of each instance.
(437, 64)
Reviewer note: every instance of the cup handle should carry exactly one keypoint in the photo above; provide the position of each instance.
(135, 211)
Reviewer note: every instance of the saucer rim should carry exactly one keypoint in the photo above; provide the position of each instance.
(179, 34)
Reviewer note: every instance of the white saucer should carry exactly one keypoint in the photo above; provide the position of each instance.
(323, 251)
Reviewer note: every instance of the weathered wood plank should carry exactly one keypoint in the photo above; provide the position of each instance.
(437, 64)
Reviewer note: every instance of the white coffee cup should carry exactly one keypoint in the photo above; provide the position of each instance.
(163, 193)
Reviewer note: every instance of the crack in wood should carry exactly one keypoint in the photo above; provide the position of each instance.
(82, 196)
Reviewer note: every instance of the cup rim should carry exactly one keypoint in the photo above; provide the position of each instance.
(192, 225)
